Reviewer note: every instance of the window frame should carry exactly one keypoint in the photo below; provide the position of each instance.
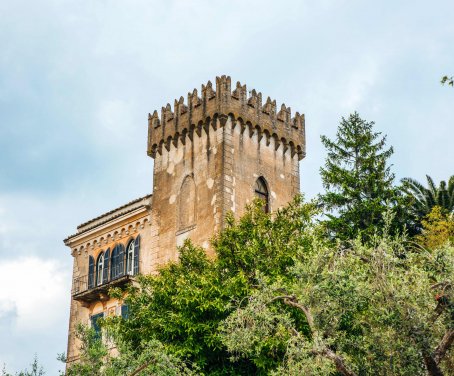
(262, 194)
(100, 269)
(94, 324)
(130, 249)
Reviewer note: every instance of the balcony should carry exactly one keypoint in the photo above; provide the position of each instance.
(87, 293)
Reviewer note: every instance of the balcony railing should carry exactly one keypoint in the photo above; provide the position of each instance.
(87, 289)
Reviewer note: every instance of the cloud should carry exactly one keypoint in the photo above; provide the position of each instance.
(34, 309)
(32, 289)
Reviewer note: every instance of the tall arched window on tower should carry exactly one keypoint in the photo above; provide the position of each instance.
(187, 203)
(261, 192)
(100, 269)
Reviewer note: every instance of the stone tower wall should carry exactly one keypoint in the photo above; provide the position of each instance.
(222, 141)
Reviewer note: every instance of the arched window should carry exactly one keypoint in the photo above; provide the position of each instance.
(100, 269)
(187, 203)
(117, 264)
(114, 263)
(261, 192)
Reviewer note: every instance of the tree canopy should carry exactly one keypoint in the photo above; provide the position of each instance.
(281, 298)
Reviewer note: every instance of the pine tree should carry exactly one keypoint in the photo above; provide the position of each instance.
(358, 180)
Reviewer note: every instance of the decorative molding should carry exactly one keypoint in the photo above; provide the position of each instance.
(112, 236)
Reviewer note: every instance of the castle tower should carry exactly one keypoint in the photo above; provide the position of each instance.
(212, 155)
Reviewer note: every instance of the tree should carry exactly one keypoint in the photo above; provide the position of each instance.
(36, 370)
(423, 199)
(437, 229)
(150, 359)
(281, 298)
(358, 181)
(369, 311)
(182, 307)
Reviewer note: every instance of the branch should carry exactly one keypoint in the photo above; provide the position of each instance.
(141, 368)
(291, 300)
(444, 346)
(281, 297)
(431, 365)
(338, 362)
(293, 303)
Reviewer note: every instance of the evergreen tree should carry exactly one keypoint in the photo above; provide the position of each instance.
(357, 179)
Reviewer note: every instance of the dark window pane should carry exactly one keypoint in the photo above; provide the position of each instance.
(261, 192)
(95, 324)
(124, 311)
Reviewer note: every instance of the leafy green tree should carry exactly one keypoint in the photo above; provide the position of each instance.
(281, 298)
(423, 199)
(150, 359)
(182, 307)
(369, 311)
(358, 181)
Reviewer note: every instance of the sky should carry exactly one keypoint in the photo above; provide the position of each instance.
(78, 79)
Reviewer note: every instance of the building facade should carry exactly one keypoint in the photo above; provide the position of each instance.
(212, 155)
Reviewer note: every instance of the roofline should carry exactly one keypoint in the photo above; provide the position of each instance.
(107, 219)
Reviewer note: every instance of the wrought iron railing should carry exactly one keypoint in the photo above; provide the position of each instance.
(90, 281)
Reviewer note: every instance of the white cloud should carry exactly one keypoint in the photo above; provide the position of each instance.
(33, 289)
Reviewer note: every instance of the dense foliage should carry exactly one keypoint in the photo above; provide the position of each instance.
(281, 298)
(183, 305)
(376, 309)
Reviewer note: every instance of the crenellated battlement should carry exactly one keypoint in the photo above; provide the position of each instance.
(212, 109)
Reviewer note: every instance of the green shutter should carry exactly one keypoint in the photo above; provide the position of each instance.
(121, 260)
(105, 274)
(136, 255)
(91, 272)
